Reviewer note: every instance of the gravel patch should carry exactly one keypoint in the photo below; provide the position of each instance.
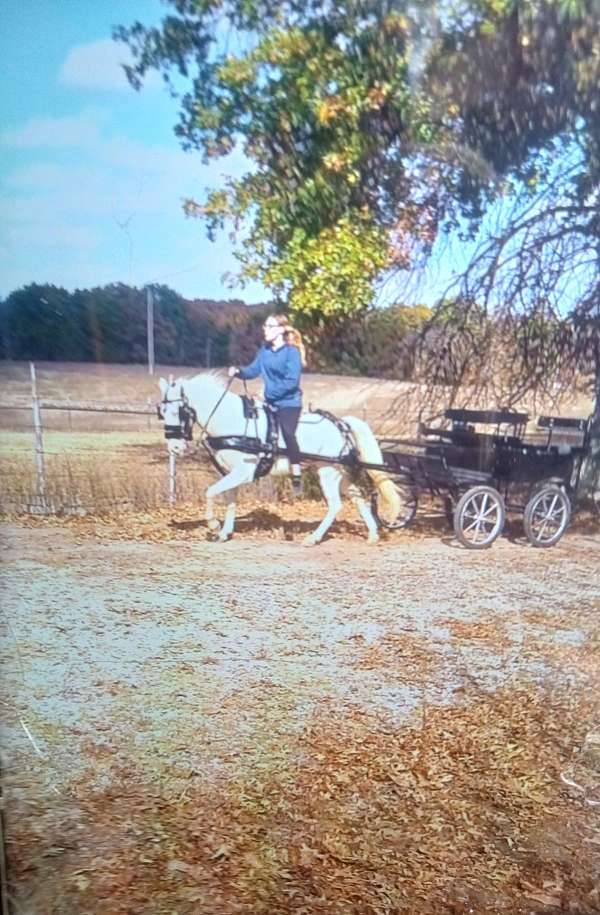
(184, 653)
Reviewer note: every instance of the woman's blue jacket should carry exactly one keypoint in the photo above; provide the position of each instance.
(280, 370)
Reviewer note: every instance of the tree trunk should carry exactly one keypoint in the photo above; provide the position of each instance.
(596, 413)
(590, 473)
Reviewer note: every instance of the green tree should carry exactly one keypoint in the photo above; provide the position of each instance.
(516, 76)
(42, 322)
(320, 100)
(379, 342)
(108, 324)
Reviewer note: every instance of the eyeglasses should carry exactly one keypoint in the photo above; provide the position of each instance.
(270, 324)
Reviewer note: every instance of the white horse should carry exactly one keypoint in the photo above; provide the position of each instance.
(220, 412)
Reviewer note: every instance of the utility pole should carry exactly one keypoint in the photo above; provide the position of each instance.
(150, 328)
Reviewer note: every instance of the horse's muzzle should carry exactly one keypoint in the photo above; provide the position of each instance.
(177, 446)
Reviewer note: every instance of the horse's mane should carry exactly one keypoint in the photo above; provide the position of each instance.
(213, 374)
(210, 378)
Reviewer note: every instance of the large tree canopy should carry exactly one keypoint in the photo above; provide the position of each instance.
(319, 97)
(372, 127)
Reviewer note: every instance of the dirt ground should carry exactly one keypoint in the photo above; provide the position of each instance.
(191, 727)
(255, 728)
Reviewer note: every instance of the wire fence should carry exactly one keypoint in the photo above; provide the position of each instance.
(42, 500)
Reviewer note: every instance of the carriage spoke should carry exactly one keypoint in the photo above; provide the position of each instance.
(543, 528)
(480, 529)
(493, 509)
(550, 518)
(477, 524)
(395, 518)
(551, 522)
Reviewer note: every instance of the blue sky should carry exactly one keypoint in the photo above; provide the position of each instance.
(91, 174)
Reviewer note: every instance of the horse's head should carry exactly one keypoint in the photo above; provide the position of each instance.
(177, 415)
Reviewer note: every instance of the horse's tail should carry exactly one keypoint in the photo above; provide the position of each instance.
(370, 452)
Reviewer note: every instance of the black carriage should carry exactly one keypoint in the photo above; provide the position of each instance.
(482, 474)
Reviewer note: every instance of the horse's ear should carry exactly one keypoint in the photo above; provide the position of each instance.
(162, 383)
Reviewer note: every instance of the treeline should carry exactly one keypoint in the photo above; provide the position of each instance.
(108, 324)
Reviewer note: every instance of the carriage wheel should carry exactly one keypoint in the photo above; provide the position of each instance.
(479, 517)
(408, 507)
(547, 515)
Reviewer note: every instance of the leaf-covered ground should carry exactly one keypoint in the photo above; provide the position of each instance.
(258, 728)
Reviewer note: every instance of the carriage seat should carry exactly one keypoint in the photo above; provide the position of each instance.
(458, 435)
(563, 448)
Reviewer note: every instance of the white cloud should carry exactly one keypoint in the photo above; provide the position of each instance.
(106, 207)
(115, 204)
(56, 132)
(98, 188)
(45, 233)
(99, 65)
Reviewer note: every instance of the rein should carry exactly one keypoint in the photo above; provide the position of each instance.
(204, 426)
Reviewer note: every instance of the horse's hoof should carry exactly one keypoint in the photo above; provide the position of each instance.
(309, 541)
(223, 538)
(373, 538)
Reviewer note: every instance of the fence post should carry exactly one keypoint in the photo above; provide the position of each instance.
(39, 440)
(172, 478)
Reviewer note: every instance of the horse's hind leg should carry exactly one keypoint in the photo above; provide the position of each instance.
(330, 479)
(365, 512)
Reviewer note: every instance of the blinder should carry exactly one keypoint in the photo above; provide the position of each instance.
(178, 416)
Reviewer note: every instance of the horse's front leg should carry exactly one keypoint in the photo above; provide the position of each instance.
(243, 473)
(330, 479)
(364, 510)
(229, 521)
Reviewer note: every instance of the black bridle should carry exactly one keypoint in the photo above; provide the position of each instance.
(188, 417)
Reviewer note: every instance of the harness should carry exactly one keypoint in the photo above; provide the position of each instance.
(349, 447)
(187, 416)
(266, 450)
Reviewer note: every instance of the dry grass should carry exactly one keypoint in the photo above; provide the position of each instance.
(103, 472)
(106, 473)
